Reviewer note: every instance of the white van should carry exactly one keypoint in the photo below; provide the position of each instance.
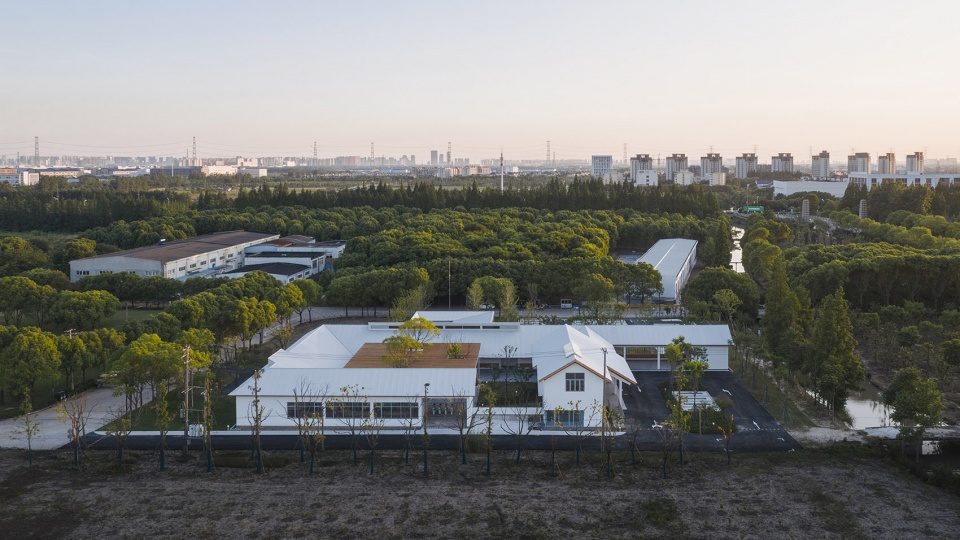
(566, 303)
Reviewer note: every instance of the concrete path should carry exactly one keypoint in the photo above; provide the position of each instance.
(53, 433)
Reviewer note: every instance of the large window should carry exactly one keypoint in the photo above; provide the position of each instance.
(564, 418)
(304, 409)
(631, 352)
(575, 382)
(348, 409)
(402, 409)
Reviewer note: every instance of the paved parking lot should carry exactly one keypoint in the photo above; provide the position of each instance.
(756, 428)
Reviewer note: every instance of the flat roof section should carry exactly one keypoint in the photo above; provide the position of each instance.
(434, 356)
(280, 269)
(285, 254)
(198, 245)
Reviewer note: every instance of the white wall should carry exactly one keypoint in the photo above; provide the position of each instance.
(554, 392)
(113, 265)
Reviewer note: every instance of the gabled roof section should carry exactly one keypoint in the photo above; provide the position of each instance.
(319, 348)
(568, 364)
(558, 348)
(456, 317)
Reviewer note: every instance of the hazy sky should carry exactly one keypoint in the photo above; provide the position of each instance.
(270, 78)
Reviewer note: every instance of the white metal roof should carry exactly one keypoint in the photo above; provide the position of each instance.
(549, 346)
(669, 256)
(473, 317)
(658, 335)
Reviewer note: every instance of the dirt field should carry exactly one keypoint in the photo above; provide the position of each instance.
(818, 494)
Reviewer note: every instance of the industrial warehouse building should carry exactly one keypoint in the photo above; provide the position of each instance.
(584, 365)
(674, 258)
(205, 255)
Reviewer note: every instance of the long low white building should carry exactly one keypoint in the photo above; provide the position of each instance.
(179, 259)
(571, 367)
(674, 258)
(912, 179)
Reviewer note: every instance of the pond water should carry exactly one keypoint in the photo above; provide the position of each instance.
(736, 253)
(866, 409)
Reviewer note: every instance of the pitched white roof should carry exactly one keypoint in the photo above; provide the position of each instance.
(550, 347)
(658, 335)
(469, 317)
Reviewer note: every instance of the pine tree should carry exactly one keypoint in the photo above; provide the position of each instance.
(835, 368)
(780, 317)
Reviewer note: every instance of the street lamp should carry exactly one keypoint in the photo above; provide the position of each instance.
(603, 397)
(426, 403)
(426, 437)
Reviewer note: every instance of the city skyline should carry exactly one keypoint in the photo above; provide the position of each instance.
(251, 79)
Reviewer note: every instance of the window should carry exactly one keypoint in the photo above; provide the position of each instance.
(83, 272)
(193, 265)
(348, 409)
(575, 382)
(565, 418)
(403, 409)
(304, 409)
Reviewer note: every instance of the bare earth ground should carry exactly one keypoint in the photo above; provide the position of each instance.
(829, 493)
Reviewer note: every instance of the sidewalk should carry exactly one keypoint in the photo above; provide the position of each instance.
(53, 433)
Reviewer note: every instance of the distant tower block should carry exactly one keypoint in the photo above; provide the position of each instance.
(449, 153)
(548, 152)
(863, 209)
(805, 210)
(36, 151)
(372, 155)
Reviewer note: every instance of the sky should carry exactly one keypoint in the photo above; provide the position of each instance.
(272, 78)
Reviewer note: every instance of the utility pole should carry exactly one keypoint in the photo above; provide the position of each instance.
(186, 399)
(603, 411)
(501, 170)
(449, 284)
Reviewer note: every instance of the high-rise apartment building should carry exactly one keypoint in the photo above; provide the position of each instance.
(433, 157)
(675, 164)
(601, 166)
(820, 165)
(887, 163)
(915, 163)
(746, 164)
(859, 162)
(710, 164)
(642, 171)
(781, 163)
(642, 162)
